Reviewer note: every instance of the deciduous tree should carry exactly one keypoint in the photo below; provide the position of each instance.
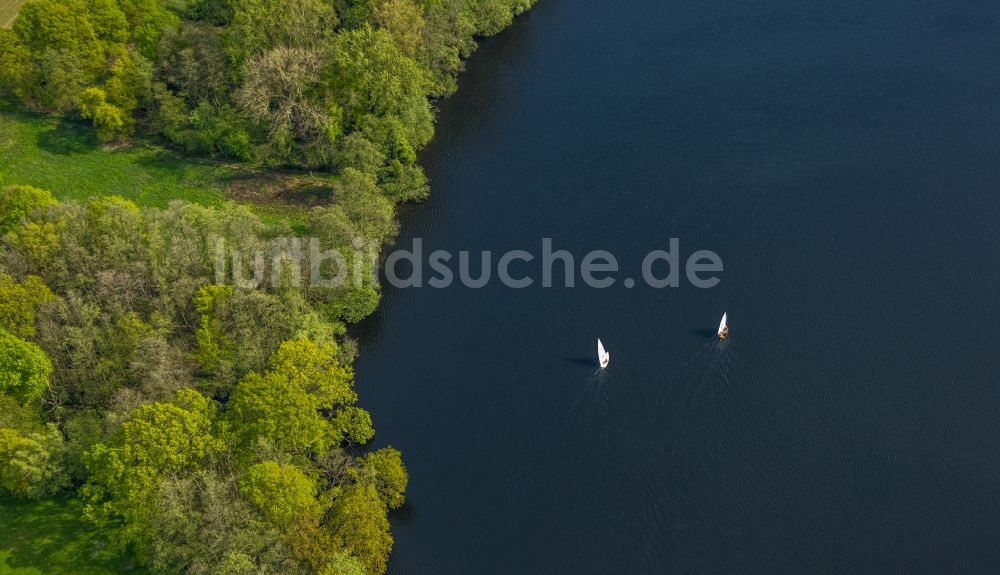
(158, 439)
(36, 468)
(384, 470)
(18, 202)
(287, 406)
(24, 368)
(281, 492)
(404, 20)
(360, 526)
(19, 303)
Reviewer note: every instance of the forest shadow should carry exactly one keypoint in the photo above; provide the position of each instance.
(67, 137)
(405, 515)
(277, 187)
(165, 160)
(49, 536)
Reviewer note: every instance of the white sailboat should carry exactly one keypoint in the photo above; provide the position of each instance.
(724, 326)
(603, 357)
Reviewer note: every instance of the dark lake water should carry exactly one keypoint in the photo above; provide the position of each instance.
(843, 159)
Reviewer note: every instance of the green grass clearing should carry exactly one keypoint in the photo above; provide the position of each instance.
(50, 538)
(63, 156)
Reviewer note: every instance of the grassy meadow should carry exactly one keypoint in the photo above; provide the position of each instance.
(50, 538)
(63, 156)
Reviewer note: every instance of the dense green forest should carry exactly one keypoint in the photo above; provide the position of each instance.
(200, 427)
(304, 83)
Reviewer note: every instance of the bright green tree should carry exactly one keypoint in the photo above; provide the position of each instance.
(10, 440)
(36, 468)
(274, 409)
(17, 74)
(110, 120)
(158, 439)
(317, 370)
(18, 202)
(147, 20)
(108, 21)
(19, 303)
(286, 406)
(360, 526)
(24, 368)
(60, 25)
(213, 345)
(384, 470)
(280, 492)
(353, 425)
(404, 19)
(343, 564)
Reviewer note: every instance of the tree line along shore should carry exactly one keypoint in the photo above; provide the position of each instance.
(197, 427)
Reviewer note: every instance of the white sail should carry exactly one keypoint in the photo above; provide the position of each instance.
(603, 357)
(724, 325)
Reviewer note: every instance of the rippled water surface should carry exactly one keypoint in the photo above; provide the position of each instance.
(842, 158)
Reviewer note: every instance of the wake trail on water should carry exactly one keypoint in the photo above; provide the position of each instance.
(701, 386)
(651, 438)
(686, 439)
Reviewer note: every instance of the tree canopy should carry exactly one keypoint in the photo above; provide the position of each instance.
(280, 492)
(24, 368)
(276, 82)
(187, 409)
(158, 439)
(19, 302)
(179, 409)
(286, 405)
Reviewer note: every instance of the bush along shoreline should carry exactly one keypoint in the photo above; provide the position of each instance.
(206, 427)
